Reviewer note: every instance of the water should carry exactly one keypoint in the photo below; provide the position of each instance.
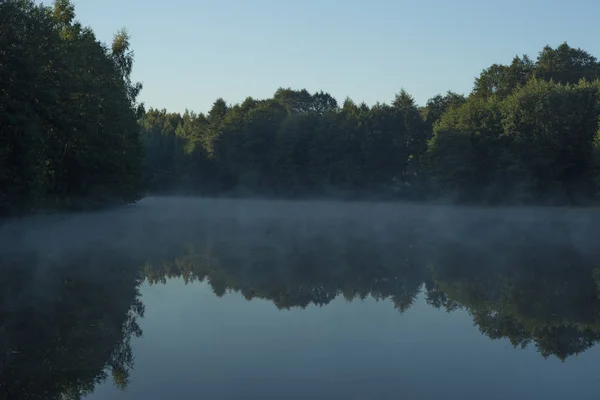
(187, 298)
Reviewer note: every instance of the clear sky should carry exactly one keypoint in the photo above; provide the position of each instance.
(190, 52)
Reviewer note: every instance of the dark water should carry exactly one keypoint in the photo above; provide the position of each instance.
(188, 299)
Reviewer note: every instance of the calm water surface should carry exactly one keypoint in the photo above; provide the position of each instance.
(188, 298)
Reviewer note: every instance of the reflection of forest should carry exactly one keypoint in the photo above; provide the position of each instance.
(516, 284)
(65, 323)
(67, 317)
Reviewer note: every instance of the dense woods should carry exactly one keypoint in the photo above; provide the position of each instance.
(74, 136)
(527, 133)
(68, 124)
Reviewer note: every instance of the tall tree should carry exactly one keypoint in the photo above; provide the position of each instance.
(69, 130)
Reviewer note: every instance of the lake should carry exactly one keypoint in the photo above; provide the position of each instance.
(228, 299)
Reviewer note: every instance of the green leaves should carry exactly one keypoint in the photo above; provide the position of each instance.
(563, 65)
(537, 145)
(63, 12)
(295, 143)
(67, 112)
(553, 127)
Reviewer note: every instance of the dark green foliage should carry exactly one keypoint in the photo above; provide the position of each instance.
(164, 149)
(68, 123)
(294, 144)
(527, 133)
(467, 153)
(438, 105)
(536, 145)
(501, 80)
(566, 64)
(70, 131)
(552, 129)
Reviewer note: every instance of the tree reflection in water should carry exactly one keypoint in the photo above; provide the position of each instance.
(66, 322)
(67, 318)
(516, 280)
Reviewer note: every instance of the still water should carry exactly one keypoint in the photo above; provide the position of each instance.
(225, 299)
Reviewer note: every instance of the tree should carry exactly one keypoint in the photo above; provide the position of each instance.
(553, 127)
(566, 64)
(70, 136)
(501, 80)
(438, 105)
(467, 151)
(505, 142)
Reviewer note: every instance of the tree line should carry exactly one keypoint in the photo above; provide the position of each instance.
(74, 136)
(527, 133)
(69, 135)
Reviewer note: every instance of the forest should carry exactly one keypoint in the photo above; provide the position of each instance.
(68, 113)
(527, 133)
(74, 135)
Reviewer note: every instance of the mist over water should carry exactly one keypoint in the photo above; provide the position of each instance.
(299, 299)
(156, 219)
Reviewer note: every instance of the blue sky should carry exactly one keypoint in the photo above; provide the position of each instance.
(190, 52)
